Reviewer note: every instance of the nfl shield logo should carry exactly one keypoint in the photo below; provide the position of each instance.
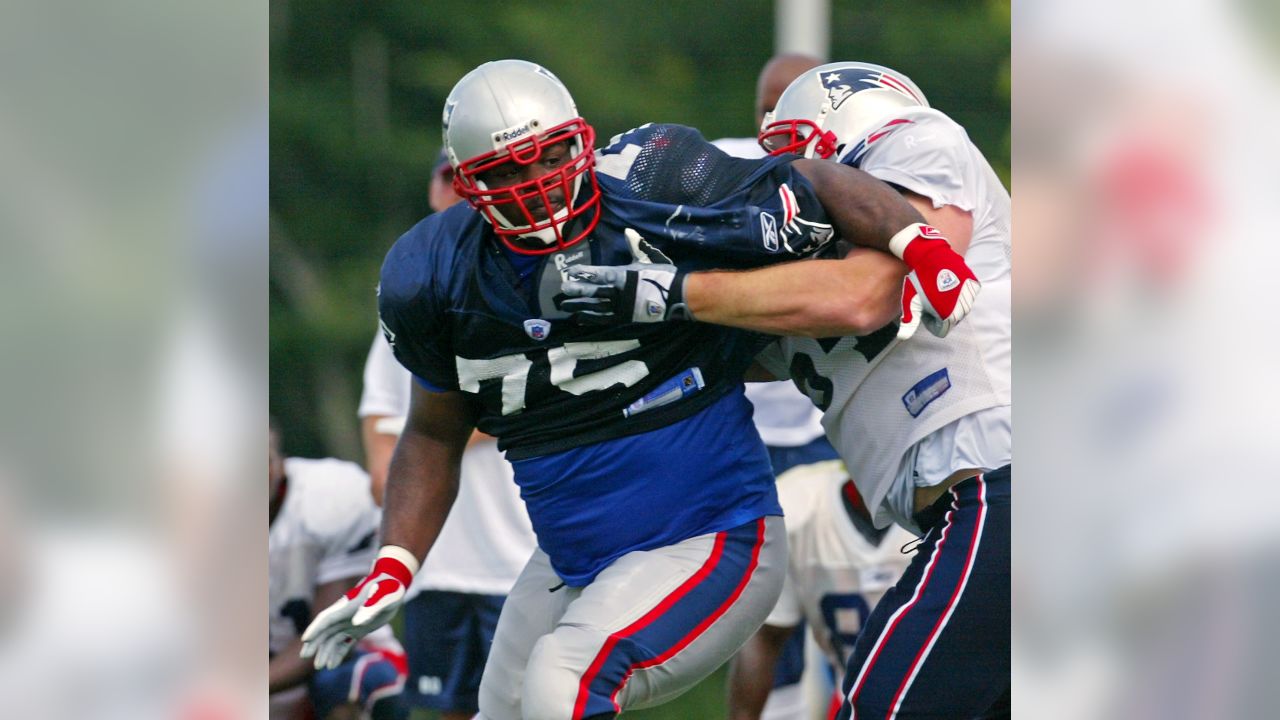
(537, 329)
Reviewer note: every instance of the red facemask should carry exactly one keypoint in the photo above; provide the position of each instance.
(784, 136)
(522, 199)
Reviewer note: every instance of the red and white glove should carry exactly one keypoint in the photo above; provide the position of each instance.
(940, 289)
(366, 607)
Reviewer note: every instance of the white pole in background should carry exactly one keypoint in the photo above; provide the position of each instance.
(802, 26)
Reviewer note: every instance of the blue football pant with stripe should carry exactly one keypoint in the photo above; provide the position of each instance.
(648, 628)
(937, 645)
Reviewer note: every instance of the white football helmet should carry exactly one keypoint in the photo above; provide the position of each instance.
(508, 111)
(831, 106)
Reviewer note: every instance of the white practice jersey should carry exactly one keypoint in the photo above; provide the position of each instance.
(836, 571)
(904, 415)
(326, 530)
(487, 538)
(783, 416)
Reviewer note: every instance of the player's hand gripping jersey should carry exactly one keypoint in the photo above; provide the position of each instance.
(465, 314)
(925, 383)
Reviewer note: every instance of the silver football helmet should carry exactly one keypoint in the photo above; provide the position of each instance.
(508, 111)
(825, 110)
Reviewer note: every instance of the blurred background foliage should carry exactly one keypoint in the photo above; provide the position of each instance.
(357, 91)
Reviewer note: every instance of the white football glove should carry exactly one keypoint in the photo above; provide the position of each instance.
(366, 607)
(619, 294)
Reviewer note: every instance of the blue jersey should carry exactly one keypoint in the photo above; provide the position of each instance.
(566, 400)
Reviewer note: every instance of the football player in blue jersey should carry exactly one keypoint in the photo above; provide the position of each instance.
(660, 542)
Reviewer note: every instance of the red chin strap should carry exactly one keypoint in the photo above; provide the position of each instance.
(523, 198)
(784, 137)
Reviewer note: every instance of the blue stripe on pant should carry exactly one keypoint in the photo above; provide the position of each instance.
(676, 621)
(937, 645)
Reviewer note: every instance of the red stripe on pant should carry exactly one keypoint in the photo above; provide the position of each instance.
(961, 583)
(951, 603)
(852, 697)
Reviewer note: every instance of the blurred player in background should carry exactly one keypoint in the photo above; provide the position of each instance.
(452, 608)
(660, 549)
(840, 566)
(929, 438)
(323, 536)
(440, 193)
(774, 77)
(788, 423)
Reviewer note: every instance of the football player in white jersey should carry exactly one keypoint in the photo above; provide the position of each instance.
(937, 457)
(923, 423)
(323, 537)
(839, 567)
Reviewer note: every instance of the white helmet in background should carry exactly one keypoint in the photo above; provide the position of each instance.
(827, 108)
(510, 111)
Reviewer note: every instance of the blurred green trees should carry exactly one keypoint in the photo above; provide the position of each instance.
(356, 95)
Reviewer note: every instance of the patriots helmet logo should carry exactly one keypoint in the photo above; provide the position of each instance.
(837, 87)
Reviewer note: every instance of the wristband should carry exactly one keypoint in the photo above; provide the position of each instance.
(400, 556)
(677, 309)
(904, 237)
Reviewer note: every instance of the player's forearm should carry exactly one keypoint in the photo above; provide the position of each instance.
(287, 669)
(863, 210)
(816, 298)
(421, 487)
